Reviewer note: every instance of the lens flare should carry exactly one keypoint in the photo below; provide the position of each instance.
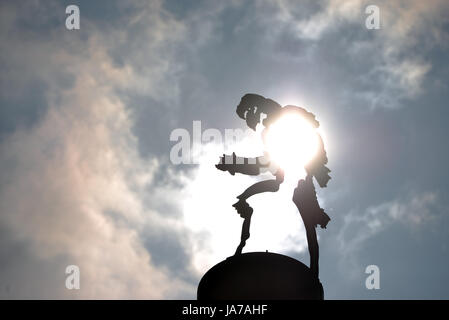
(291, 142)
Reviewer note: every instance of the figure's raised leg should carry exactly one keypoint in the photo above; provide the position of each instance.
(271, 185)
(244, 209)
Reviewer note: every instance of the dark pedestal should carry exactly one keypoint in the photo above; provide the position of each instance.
(260, 276)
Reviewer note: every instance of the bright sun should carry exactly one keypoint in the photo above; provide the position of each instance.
(291, 142)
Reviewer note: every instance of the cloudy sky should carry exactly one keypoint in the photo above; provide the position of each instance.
(85, 123)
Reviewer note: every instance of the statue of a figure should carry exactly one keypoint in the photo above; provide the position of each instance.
(251, 108)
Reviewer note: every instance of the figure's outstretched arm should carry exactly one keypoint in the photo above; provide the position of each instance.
(248, 166)
(246, 211)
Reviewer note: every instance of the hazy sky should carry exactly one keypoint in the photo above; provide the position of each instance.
(86, 117)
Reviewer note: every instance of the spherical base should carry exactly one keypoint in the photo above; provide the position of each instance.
(260, 276)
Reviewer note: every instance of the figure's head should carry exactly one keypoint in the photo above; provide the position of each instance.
(252, 106)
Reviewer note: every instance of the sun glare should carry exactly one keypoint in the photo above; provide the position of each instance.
(292, 142)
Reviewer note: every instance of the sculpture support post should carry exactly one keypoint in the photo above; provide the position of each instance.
(245, 232)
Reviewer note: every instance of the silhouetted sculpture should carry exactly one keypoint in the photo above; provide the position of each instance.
(251, 108)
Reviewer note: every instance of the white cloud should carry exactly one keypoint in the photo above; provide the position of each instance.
(361, 228)
(407, 75)
(397, 51)
(79, 164)
(413, 210)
